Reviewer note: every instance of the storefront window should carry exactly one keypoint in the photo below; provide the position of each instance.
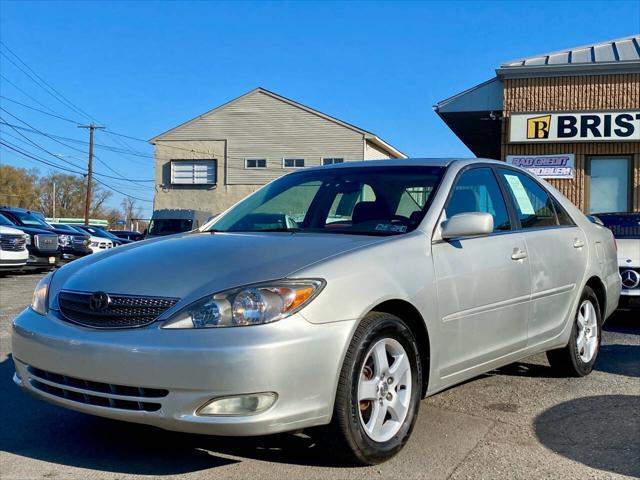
(609, 184)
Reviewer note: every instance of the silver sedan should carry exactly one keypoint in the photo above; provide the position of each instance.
(334, 297)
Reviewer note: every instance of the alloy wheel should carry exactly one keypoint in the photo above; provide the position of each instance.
(587, 337)
(384, 390)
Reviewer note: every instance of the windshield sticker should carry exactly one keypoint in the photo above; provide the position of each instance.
(387, 227)
(523, 200)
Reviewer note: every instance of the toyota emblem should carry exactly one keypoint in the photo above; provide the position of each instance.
(99, 301)
(630, 278)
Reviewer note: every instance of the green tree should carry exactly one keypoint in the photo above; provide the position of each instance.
(18, 187)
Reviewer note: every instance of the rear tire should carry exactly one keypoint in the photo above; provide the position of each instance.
(579, 356)
(379, 392)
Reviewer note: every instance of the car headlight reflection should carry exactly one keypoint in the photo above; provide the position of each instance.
(41, 295)
(252, 305)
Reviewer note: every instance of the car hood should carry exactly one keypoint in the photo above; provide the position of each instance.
(194, 265)
(10, 230)
(628, 252)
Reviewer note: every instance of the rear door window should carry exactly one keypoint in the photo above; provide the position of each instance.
(533, 204)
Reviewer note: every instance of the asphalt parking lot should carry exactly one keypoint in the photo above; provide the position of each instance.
(517, 422)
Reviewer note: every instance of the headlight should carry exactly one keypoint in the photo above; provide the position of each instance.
(41, 295)
(27, 238)
(251, 305)
(64, 240)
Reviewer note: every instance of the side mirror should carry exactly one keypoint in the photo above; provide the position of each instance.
(470, 224)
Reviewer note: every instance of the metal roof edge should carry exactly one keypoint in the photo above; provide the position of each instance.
(604, 68)
(565, 50)
(436, 107)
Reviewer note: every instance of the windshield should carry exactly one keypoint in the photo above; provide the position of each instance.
(29, 220)
(622, 226)
(356, 200)
(67, 228)
(169, 226)
(6, 222)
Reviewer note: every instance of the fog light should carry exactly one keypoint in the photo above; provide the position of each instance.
(250, 404)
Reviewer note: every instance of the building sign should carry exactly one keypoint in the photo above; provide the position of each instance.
(545, 166)
(575, 127)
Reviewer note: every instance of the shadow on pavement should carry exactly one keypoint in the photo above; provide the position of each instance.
(35, 429)
(602, 432)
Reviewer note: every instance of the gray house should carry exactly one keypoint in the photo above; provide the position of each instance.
(219, 157)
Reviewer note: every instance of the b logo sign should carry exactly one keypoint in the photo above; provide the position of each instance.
(575, 127)
(538, 127)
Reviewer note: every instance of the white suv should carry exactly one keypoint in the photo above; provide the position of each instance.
(13, 248)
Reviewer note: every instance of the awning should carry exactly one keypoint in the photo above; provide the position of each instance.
(475, 116)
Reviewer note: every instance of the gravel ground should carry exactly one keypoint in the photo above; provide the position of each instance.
(517, 422)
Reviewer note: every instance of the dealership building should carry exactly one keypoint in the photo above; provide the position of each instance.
(571, 116)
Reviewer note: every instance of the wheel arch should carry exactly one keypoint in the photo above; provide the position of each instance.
(599, 289)
(412, 317)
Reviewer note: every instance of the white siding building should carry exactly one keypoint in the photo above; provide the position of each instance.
(219, 157)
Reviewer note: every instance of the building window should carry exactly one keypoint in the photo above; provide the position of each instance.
(331, 160)
(193, 172)
(609, 184)
(255, 163)
(293, 163)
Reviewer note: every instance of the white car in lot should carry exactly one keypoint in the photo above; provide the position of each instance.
(626, 230)
(96, 244)
(13, 249)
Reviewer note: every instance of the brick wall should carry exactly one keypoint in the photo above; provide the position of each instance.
(597, 92)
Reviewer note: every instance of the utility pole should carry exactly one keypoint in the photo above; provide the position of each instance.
(87, 203)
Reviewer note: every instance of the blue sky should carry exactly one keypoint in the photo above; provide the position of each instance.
(141, 68)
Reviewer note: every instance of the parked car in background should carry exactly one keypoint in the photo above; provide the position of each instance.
(104, 233)
(128, 235)
(170, 221)
(277, 317)
(73, 245)
(96, 244)
(42, 245)
(13, 249)
(626, 230)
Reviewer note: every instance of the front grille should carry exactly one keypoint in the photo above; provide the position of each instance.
(122, 311)
(12, 243)
(96, 393)
(46, 242)
(80, 241)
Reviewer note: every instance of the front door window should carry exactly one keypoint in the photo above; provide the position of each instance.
(608, 184)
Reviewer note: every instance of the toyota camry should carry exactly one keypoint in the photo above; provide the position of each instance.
(335, 297)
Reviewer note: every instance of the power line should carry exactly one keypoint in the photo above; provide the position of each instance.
(16, 128)
(39, 110)
(59, 167)
(42, 83)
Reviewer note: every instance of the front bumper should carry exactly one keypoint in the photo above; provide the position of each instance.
(69, 254)
(39, 259)
(298, 360)
(629, 299)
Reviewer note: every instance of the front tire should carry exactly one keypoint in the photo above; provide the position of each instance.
(579, 356)
(379, 391)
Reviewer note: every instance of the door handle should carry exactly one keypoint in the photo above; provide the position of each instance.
(518, 254)
(577, 243)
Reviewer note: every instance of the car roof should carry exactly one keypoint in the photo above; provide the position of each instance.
(405, 162)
